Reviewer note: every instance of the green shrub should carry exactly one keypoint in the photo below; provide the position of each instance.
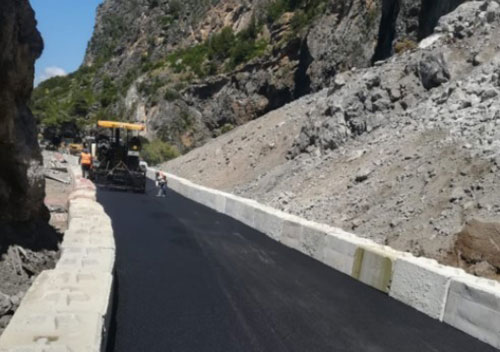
(309, 9)
(175, 8)
(276, 9)
(186, 120)
(220, 44)
(191, 58)
(127, 80)
(109, 93)
(223, 47)
(372, 16)
(405, 45)
(157, 152)
(166, 21)
(150, 87)
(244, 51)
(226, 128)
(171, 94)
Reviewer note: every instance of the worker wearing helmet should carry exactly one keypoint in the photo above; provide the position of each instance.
(86, 162)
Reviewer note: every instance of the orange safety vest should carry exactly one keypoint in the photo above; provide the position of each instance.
(86, 159)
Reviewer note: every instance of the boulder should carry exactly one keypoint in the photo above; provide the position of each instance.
(433, 71)
(479, 242)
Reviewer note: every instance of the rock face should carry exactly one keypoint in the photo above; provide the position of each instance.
(129, 72)
(21, 177)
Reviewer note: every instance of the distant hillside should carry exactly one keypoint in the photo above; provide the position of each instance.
(193, 70)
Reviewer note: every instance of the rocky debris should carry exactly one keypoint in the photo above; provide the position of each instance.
(5, 304)
(433, 71)
(380, 154)
(478, 244)
(468, 18)
(56, 167)
(57, 189)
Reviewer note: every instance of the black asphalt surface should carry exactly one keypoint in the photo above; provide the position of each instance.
(190, 279)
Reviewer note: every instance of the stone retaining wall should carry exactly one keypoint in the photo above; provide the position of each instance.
(68, 308)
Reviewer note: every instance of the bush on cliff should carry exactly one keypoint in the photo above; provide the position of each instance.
(157, 152)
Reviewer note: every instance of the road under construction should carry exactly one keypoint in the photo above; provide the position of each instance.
(191, 279)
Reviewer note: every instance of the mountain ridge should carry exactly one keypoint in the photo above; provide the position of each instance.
(193, 70)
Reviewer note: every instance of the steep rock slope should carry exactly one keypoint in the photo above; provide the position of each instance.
(193, 70)
(405, 153)
(27, 244)
(21, 177)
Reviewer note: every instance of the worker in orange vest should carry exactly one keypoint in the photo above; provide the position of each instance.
(86, 162)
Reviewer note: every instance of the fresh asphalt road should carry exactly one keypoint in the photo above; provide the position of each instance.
(190, 279)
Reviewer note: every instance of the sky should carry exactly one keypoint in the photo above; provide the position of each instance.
(66, 27)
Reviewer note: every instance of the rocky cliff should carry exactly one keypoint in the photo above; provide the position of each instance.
(193, 70)
(27, 243)
(21, 176)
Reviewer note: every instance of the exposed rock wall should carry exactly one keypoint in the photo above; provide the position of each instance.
(132, 77)
(21, 176)
(430, 13)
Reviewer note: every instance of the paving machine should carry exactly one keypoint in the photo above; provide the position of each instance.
(116, 152)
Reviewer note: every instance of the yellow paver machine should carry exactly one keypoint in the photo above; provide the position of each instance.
(116, 153)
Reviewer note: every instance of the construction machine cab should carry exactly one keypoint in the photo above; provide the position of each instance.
(116, 152)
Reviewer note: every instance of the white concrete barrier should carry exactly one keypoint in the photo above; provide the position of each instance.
(473, 306)
(373, 265)
(292, 230)
(240, 209)
(422, 284)
(439, 291)
(75, 332)
(68, 308)
(87, 260)
(69, 291)
(213, 199)
(82, 193)
(98, 226)
(268, 221)
(313, 241)
(340, 250)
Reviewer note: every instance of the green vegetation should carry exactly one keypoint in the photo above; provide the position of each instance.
(372, 16)
(62, 99)
(226, 128)
(305, 11)
(115, 28)
(89, 94)
(149, 87)
(405, 45)
(77, 98)
(171, 94)
(157, 152)
(175, 8)
(224, 50)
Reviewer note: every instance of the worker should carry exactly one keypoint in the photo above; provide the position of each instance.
(161, 181)
(86, 162)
